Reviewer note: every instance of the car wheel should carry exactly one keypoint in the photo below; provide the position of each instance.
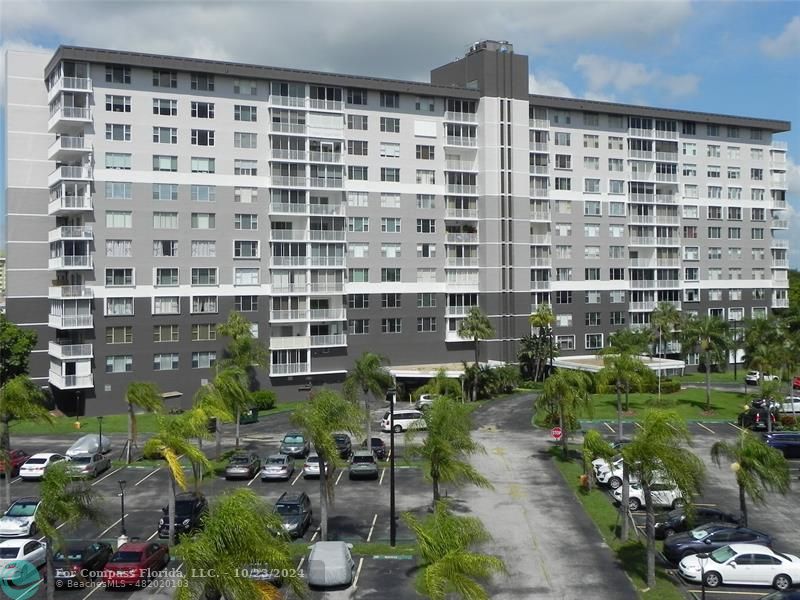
(713, 579)
(33, 530)
(614, 483)
(398, 429)
(782, 582)
(634, 504)
(677, 503)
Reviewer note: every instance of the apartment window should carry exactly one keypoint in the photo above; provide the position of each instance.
(358, 224)
(165, 163)
(390, 300)
(563, 229)
(759, 294)
(714, 192)
(757, 214)
(245, 113)
(757, 233)
(734, 152)
(162, 248)
(358, 301)
(119, 307)
(714, 253)
(563, 320)
(616, 186)
(390, 274)
(616, 209)
(203, 82)
(563, 183)
(245, 195)
(425, 176)
(119, 219)
(391, 325)
(733, 132)
(165, 135)
(391, 250)
(426, 250)
(245, 167)
(246, 275)
(689, 170)
(118, 74)
(204, 249)
(245, 87)
(390, 125)
(615, 143)
(390, 225)
(203, 110)
(203, 137)
(245, 303)
(166, 276)
(425, 104)
(591, 186)
(735, 253)
(357, 173)
(359, 147)
(593, 341)
(390, 174)
(713, 171)
(616, 252)
(712, 130)
(204, 332)
(119, 277)
(691, 191)
(591, 119)
(358, 326)
(591, 163)
(163, 78)
(715, 273)
(203, 193)
(240, 140)
(691, 253)
(734, 213)
(118, 103)
(688, 128)
(119, 363)
(203, 220)
(715, 212)
(204, 360)
(591, 208)
(734, 173)
(689, 149)
(358, 250)
(390, 100)
(165, 191)
(390, 150)
(564, 207)
(565, 342)
(165, 107)
(116, 190)
(563, 161)
(617, 318)
(119, 335)
(165, 362)
(118, 160)
(245, 221)
(165, 220)
(563, 252)
(713, 151)
(166, 305)
(426, 300)
(591, 274)
(691, 295)
(425, 152)
(563, 297)
(591, 297)
(357, 96)
(359, 275)
(204, 304)
(426, 324)
(357, 122)
(615, 164)
(591, 230)
(204, 276)
(617, 296)
(564, 274)
(245, 249)
(202, 164)
(118, 132)
(615, 231)
(426, 226)
(734, 233)
(591, 141)
(690, 231)
(562, 138)
(616, 274)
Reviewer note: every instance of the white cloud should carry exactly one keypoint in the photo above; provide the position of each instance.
(602, 73)
(786, 43)
(547, 85)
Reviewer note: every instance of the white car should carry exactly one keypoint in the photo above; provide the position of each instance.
(16, 555)
(36, 465)
(88, 444)
(610, 474)
(756, 377)
(743, 564)
(791, 405)
(311, 466)
(424, 401)
(19, 520)
(663, 495)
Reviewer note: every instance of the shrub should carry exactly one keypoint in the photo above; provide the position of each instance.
(789, 422)
(668, 386)
(263, 399)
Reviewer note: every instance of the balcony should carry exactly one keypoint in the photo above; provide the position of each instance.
(290, 342)
(69, 262)
(71, 351)
(643, 284)
(662, 134)
(668, 283)
(461, 238)
(288, 315)
(328, 314)
(666, 199)
(642, 198)
(69, 84)
(540, 285)
(296, 235)
(452, 336)
(325, 157)
(780, 263)
(668, 241)
(71, 382)
(538, 170)
(539, 147)
(642, 175)
(668, 262)
(461, 261)
(668, 220)
(334, 105)
(780, 302)
(70, 233)
(337, 339)
(636, 132)
(635, 219)
(780, 244)
(675, 303)
(541, 262)
(289, 288)
(540, 239)
(642, 241)
(460, 165)
(646, 154)
(455, 188)
(778, 145)
(667, 156)
(778, 204)
(325, 182)
(538, 192)
(326, 235)
(457, 311)
(69, 118)
(460, 213)
(461, 141)
(288, 369)
(293, 128)
(288, 208)
(68, 147)
(779, 224)
(327, 261)
(460, 117)
(326, 287)
(326, 209)
(462, 285)
(293, 101)
(295, 155)
(667, 177)
(69, 173)
(643, 306)
(289, 261)
(70, 292)
(288, 181)
(539, 123)
(71, 321)
(642, 263)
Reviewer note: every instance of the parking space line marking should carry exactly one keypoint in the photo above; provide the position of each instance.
(701, 504)
(41, 539)
(249, 483)
(388, 455)
(358, 572)
(313, 537)
(754, 594)
(16, 480)
(610, 428)
(152, 536)
(94, 589)
(107, 476)
(735, 426)
(300, 564)
(298, 477)
(708, 429)
(150, 474)
(383, 472)
(372, 527)
(107, 529)
(339, 477)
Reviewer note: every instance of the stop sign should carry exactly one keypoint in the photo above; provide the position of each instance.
(556, 433)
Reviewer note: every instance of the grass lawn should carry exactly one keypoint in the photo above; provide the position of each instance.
(632, 554)
(299, 548)
(726, 377)
(689, 404)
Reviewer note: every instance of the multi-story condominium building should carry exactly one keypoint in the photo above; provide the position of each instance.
(2, 276)
(149, 196)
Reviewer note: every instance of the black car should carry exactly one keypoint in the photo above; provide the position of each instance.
(78, 564)
(678, 520)
(294, 509)
(755, 418)
(343, 445)
(787, 442)
(708, 538)
(379, 448)
(190, 508)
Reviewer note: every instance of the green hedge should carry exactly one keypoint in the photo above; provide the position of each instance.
(263, 399)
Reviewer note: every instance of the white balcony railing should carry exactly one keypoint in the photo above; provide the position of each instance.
(667, 156)
(539, 170)
(642, 241)
(539, 123)
(290, 342)
(71, 382)
(66, 204)
(67, 144)
(541, 239)
(327, 261)
(70, 321)
(289, 288)
(461, 117)
(69, 84)
(328, 314)
(469, 142)
(668, 262)
(642, 263)
(780, 224)
(642, 198)
(780, 263)
(326, 235)
(288, 369)
(69, 351)
(648, 305)
(643, 284)
(635, 219)
(461, 261)
(541, 262)
(461, 213)
(69, 173)
(70, 233)
(668, 220)
(326, 287)
(538, 192)
(461, 238)
(288, 315)
(296, 128)
(288, 181)
(666, 199)
(779, 145)
(780, 303)
(325, 182)
(281, 154)
(667, 177)
(325, 157)
(636, 132)
(455, 188)
(289, 261)
(666, 135)
(316, 104)
(668, 241)
(297, 235)
(668, 283)
(294, 208)
(457, 311)
(452, 336)
(70, 262)
(293, 101)
(460, 165)
(540, 285)
(326, 209)
(338, 339)
(780, 243)
(70, 291)
(647, 154)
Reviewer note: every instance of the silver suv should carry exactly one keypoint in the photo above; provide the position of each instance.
(363, 465)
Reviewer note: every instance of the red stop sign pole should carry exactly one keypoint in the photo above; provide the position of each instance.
(556, 433)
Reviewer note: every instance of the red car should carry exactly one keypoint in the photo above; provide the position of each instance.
(135, 563)
(17, 458)
(796, 382)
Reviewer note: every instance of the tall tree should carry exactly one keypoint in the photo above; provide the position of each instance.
(623, 371)
(147, 397)
(475, 327)
(663, 322)
(231, 386)
(368, 376)
(630, 341)
(451, 561)
(446, 446)
(708, 336)
(594, 446)
(541, 323)
(659, 452)
(64, 503)
(758, 468)
(240, 533)
(172, 442)
(565, 394)
(211, 405)
(16, 345)
(324, 414)
(440, 385)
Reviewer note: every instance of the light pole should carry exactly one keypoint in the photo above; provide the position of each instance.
(702, 558)
(100, 435)
(123, 534)
(392, 519)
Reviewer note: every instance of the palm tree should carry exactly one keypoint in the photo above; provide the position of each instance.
(144, 396)
(758, 467)
(172, 442)
(64, 502)
(449, 564)
(663, 321)
(446, 446)
(231, 386)
(20, 398)
(594, 446)
(542, 322)
(244, 350)
(324, 414)
(709, 336)
(475, 327)
(630, 341)
(657, 452)
(440, 385)
(368, 376)
(210, 405)
(565, 394)
(240, 533)
(623, 371)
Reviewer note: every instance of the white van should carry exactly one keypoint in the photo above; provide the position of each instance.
(403, 420)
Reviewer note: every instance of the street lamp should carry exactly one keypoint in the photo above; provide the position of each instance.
(100, 435)
(392, 518)
(702, 557)
(122, 482)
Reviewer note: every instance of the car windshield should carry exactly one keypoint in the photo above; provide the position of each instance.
(312, 459)
(126, 557)
(363, 459)
(341, 439)
(276, 460)
(387, 415)
(36, 461)
(288, 509)
(674, 514)
(9, 552)
(699, 534)
(723, 554)
(22, 509)
(72, 555)
(82, 460)
(184, 507)
(293, 439)
(239, 460)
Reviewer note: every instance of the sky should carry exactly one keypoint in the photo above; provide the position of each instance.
(723, 56)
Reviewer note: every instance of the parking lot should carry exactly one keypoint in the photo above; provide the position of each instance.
(360, 512)
(776, 517)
